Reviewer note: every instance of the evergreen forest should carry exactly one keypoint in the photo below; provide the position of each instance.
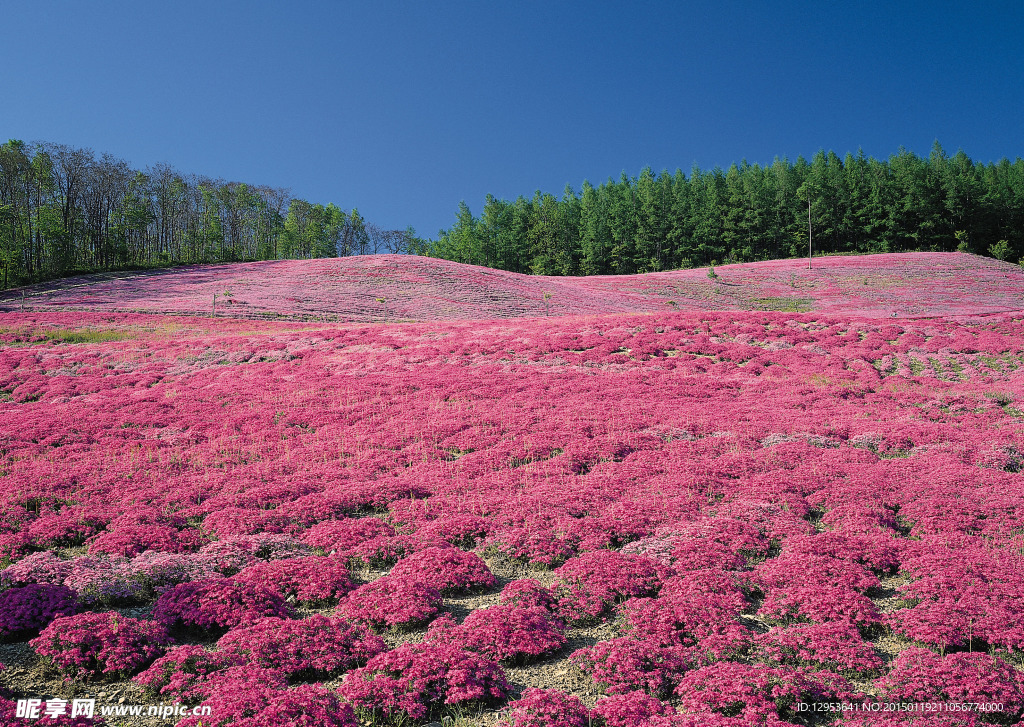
(747, 212)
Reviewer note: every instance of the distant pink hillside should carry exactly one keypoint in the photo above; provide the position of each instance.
(417, 288)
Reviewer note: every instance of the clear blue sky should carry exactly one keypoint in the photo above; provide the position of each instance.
(403, 109)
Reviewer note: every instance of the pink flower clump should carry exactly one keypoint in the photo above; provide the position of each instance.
(311, 580)
(547, 708)
(342, 536)
(834, 645)
(819, 604)
(504, 632)
(309, 648)
(161, 571)
(97, 644)
(447, 569)
(178, 673)
(757, 693)
(42, 567)
(590, 584)
(414, 678)
(216, 603)
(527, 592)
(243, 704)
(129, 540)
(920, 675)
(390, 602)
(625, 664)
(107, 580)
(630, 709)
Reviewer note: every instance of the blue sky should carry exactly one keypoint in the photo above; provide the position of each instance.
(402, 109)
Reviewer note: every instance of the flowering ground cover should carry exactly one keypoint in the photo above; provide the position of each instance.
(407, 288)
(672, 518)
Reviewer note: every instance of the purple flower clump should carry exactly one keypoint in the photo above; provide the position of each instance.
(30, 608)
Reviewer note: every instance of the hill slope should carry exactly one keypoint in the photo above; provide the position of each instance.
(416, 288)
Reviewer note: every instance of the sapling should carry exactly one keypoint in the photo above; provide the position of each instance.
(226, 294)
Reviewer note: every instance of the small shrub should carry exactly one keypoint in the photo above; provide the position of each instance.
(919, 675)
(129, 540)
(341, 536)
(178, 673)
(161, 571)
(624, 664)
(756, 693)
(590, 584)
(241, 704)
(835, 645)
(819, 604)
(108, 581)
(527, 593)
(42, 567)
(631, 709)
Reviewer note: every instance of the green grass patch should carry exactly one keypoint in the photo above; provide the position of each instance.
(782, 304)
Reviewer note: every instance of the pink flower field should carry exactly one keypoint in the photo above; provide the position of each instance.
(620, 514)
(426, 289)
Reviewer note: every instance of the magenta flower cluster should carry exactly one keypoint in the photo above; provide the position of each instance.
(506, 633)
(217, 603)
(90, 645)
(311, 580)
(447, 569)
(251, 704)
(416, 678)
(590, 584)
(392, 602)
(310, 648)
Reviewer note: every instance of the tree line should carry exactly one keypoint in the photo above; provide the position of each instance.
(857, 204)
(65, 210)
